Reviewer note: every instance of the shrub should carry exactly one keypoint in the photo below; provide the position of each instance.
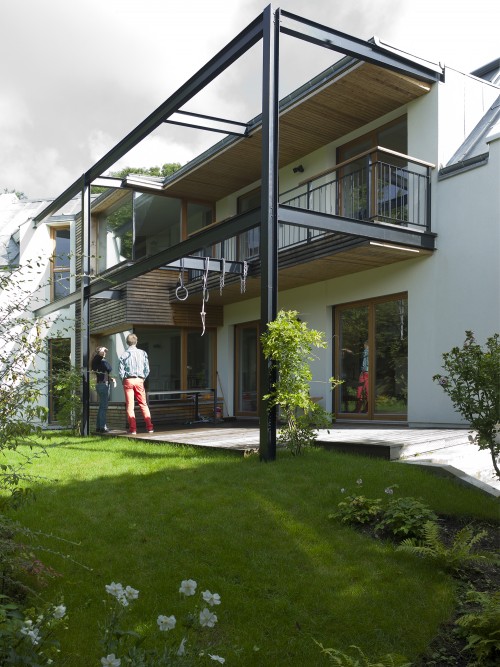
(288, 343)
(358, 510)
(472, 381)
(405, 517)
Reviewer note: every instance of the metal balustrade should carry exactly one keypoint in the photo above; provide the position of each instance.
(391, 191)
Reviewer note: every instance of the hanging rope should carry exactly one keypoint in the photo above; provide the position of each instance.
(181, 288)
(222, 275)
(205, 294)
(243, 278)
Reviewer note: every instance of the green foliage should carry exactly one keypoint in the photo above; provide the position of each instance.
(21, 389)
(453, 557)
(289, 344)
(164, 171)
(361, 659)
(358, 510)
(67, 393)
(27, 637)
(472, 381)
(481, 628)
(405, 517)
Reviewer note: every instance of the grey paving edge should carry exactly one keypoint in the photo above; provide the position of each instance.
(450, 471)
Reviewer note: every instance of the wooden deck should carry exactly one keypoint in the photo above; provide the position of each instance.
(446, 449)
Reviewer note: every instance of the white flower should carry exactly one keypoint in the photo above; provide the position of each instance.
(359, 482)
(131, 593)
(34, 635)
(211, 598)
(111, 661)
(59, 611)
(389, 491)
(182, 648)
(217, 658)
(116, 590)
(207, 618)
(166, 622)
(342, 490)
(188, 587)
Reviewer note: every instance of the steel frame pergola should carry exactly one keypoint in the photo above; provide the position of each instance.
(266, 28)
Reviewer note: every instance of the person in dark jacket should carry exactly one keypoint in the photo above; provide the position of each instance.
(102, 369)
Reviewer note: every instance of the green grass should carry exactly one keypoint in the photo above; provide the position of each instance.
(149, 515)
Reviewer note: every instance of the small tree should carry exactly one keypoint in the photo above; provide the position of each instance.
(288, 343)
(472, 381)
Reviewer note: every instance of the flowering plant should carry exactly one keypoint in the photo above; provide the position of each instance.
(183, 646)
(28, 636)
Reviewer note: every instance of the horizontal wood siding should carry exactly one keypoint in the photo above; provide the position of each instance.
(149, 301)
(107, 314)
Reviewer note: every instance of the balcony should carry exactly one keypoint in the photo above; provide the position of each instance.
(378, 186)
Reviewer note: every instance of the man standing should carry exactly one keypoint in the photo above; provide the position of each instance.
(134, 369)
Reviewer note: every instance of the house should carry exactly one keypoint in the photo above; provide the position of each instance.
(38, 263)
(367, 200)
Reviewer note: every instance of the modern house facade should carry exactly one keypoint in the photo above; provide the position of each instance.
(368, 200)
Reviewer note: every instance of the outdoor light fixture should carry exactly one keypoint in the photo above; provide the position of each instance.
(299, 169)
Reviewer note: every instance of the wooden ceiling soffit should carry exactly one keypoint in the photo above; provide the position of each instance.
(357, 97)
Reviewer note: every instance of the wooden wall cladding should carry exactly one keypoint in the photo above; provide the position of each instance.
(148, 302)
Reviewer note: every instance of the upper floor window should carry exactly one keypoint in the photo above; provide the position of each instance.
(61, 258)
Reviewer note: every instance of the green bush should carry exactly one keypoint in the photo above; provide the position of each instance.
(405, 517)
(358, 510)
(342, 659)
(472, 381)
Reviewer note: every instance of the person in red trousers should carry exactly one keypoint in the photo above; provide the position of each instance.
(134, 369)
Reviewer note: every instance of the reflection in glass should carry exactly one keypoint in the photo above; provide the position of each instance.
(61, 262)
(199, 360)
(246, 350)
(115, 235)
(354, 360)
(391, 367)
(157, 223)
(164, 351)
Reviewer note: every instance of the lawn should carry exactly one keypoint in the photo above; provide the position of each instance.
(151, 515)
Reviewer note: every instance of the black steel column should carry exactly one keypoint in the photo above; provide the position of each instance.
(85, 307)
(269, 218)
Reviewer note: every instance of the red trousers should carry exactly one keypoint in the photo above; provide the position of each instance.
(134, 389)
(362, 391)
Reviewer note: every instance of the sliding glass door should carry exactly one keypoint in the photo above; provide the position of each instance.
(371, 357)
(246, 369)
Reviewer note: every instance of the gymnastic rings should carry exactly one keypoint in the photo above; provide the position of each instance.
(181, 288)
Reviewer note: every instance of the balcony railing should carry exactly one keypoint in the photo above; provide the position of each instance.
(378, 186)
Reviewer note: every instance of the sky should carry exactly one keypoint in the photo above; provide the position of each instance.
(76, 77)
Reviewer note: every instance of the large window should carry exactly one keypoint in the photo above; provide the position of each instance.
(141, 225)
(157, 223)
(179, 358)
(371, 357)
(375, 185)
(247, 352)
(115, 235)
(61, 258)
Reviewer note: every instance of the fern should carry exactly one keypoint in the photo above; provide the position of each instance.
(454, 557)
(481, 628)
(342, 659)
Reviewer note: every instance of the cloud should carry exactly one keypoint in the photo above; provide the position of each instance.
(80, 77)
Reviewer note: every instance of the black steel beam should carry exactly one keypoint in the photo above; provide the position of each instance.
(215, 118)
(296, 26)
(205, 127)
(85, 309)
(373, 231)
(269, 222)
(122, 274)
(226, 57)
(214, 265)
